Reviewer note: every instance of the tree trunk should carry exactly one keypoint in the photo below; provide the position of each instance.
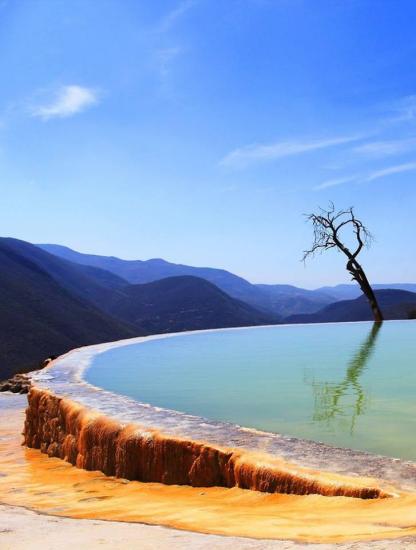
(358, 275)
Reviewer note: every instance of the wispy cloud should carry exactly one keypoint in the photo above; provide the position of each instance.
(251, 154)
(398, 169)
(173, 16)
(164, 57)
(68, 101)
(386, 148)
(403, 110)
(334, 182)
(371, 176)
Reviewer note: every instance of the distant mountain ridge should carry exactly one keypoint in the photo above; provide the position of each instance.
(279, 299)
(183, 303)
(147, 271)
(351, 291)
(288, 299)
(394, 303)
(49, 305)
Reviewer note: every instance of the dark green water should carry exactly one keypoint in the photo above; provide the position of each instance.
(351, 385)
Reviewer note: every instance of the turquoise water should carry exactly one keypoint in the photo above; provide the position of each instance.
(351, 385)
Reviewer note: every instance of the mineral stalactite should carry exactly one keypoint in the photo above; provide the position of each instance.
(89, 440)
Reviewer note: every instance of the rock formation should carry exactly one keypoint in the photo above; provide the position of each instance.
(19, 383)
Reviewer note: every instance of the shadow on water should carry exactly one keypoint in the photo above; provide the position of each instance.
(332, 401)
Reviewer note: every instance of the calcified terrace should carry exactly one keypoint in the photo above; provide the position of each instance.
(98, 430)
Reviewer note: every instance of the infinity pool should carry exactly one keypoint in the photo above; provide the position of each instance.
(348, 384)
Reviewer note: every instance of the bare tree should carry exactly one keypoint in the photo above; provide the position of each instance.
(327, 226)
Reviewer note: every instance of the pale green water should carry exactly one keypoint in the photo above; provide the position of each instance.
(349, 384)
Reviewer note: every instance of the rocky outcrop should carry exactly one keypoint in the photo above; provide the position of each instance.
(67, 430)
(19, 383)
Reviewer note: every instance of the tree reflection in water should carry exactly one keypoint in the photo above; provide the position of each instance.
(329, 404)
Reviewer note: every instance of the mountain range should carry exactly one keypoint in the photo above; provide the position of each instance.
(281, 299)
(53, 299)
(49, 305)
(394, 303)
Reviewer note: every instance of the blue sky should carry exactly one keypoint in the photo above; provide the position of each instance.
(201, 131)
